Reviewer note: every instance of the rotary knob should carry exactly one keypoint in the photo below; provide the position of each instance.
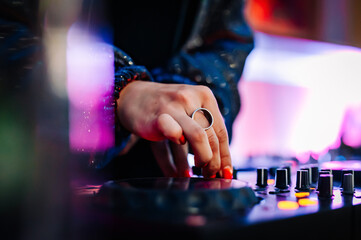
(322, 172)
(288, 168)
(302, 181)
(281, 179)
(308, 169)
(325, 186)
(345, 171)
(314, 174)
(262, 177)
(348, 184)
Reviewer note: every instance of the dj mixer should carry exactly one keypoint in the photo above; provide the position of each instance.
(282, 202)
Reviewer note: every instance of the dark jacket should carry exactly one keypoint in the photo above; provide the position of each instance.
(191, 42)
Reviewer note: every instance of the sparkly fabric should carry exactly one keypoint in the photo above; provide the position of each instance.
(125, 71)
(125, 75)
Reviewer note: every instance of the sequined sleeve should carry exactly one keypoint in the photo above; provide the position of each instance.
(124, 72)
(214, 55)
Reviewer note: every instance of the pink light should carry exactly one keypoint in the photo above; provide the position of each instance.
(351, 127)
(339, 165)
(90, 73)
(295, 94)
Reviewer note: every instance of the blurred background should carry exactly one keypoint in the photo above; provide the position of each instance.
(300, 87)
(300, 96)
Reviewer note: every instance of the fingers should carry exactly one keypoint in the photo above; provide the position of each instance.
(180, 153)
(205, 146)
(197, 138)
(221, 132)
(210, 148)
(163, 157)
(170, 128)
(211, 169)
(171, 158)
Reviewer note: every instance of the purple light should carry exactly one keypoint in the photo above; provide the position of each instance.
(295, 95)
(90, 74)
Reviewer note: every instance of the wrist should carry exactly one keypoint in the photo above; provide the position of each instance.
(126, 75)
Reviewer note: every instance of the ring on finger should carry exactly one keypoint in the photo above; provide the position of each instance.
(207, 114)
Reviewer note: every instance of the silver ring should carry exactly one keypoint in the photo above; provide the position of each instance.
(207, 114)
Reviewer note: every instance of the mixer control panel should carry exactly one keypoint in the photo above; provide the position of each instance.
(260, 202)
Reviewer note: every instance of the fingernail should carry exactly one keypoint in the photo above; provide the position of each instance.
(182, 140)
(187, 173)
(227, 173)
(213, 176)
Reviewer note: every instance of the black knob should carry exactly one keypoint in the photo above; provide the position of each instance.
(314, 174)
(345, 171)
(262, 177)
(308, 169)
(288, 168)
(323, 172)
(348, 183)
(325, 185)
(281, 179)
(302, 181)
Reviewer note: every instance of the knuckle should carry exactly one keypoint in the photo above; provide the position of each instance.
(222, 134)
(198, 134)
(163, 108)
(213, 142)
(214, 167)
(205, 91)
(204, 163)
(162, 122)
(183, 96)
(161, 119)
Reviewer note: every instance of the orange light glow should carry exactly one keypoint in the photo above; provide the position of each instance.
(270, 181)
(287, 205)
(307, 202)
(302, 194)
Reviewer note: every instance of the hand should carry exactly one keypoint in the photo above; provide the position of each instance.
(158, 112)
